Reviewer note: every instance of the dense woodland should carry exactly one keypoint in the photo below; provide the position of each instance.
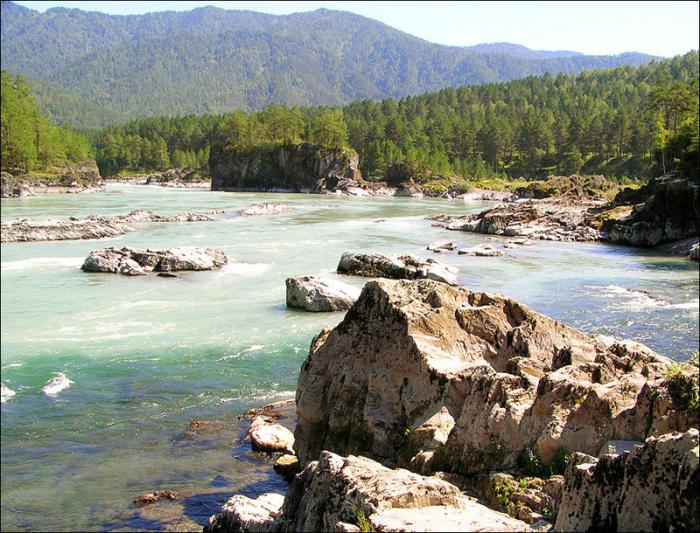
(634, 122)
(211, 60)
(28, 140)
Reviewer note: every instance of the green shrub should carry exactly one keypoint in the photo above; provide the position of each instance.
(559, 461)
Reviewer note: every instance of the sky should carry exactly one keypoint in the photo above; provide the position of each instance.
(660, 28)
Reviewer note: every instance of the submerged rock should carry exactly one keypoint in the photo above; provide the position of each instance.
(355, 493)
(287, 465)
(265, 208)
(483, 250)
(153, 497)
(316, 295)
(653, 487)
(402, 267)
(441, 246)
(135, 262)
(281, 409)
(514, 381)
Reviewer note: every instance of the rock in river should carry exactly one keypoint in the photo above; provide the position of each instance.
(402, 267)
(265, 208)
(266, 435)
(316, 295)
(135, 262)
(483, 250)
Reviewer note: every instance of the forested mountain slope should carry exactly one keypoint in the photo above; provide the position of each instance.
(634, 122)
(211, 60)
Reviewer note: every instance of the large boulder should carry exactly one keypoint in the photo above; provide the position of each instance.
(135, 262)
(316, 295)
(653, 487)
(355, 493)
(514, 381)
(402, 267)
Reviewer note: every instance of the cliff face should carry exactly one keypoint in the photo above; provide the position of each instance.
(666, 209)
(293, 168)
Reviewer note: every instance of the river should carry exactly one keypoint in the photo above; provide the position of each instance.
(137, 359)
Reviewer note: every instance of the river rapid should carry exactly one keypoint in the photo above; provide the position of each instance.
(101, 374)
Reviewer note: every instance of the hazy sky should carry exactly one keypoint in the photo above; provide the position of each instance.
(660, 28)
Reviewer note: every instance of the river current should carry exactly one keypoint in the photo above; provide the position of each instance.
(108, 371)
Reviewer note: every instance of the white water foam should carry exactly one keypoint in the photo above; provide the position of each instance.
(41, 262)
(56, 384)
(246, 269)
(5, 393)
(637, 300)
(13, 365)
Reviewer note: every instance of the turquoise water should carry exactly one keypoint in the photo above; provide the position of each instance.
(148, 355)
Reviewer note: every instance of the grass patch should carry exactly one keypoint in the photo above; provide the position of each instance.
(682, 383)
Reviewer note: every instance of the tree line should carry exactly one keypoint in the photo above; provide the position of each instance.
(28, 140)
(626, 121)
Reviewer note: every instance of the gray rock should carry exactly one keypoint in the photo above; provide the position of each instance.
(92, 227)
(135, 262)
(617, 447)
(316, 295)
(402, 267)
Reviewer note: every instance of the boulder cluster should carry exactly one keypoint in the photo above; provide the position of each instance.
(426, 390)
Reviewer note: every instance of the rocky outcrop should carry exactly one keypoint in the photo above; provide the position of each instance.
(92, 227)
(669, 210)
(574, 186)
(557, 219)
(287, 168)
(355, 493)
(653, 487)
(136, 262)
(316, 295)
(402, 267)
(68, 178)
(265, 208)
(513, 381)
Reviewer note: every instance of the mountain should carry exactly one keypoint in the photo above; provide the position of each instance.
(211, 60)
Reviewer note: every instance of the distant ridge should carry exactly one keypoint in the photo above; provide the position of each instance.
(211, 60)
